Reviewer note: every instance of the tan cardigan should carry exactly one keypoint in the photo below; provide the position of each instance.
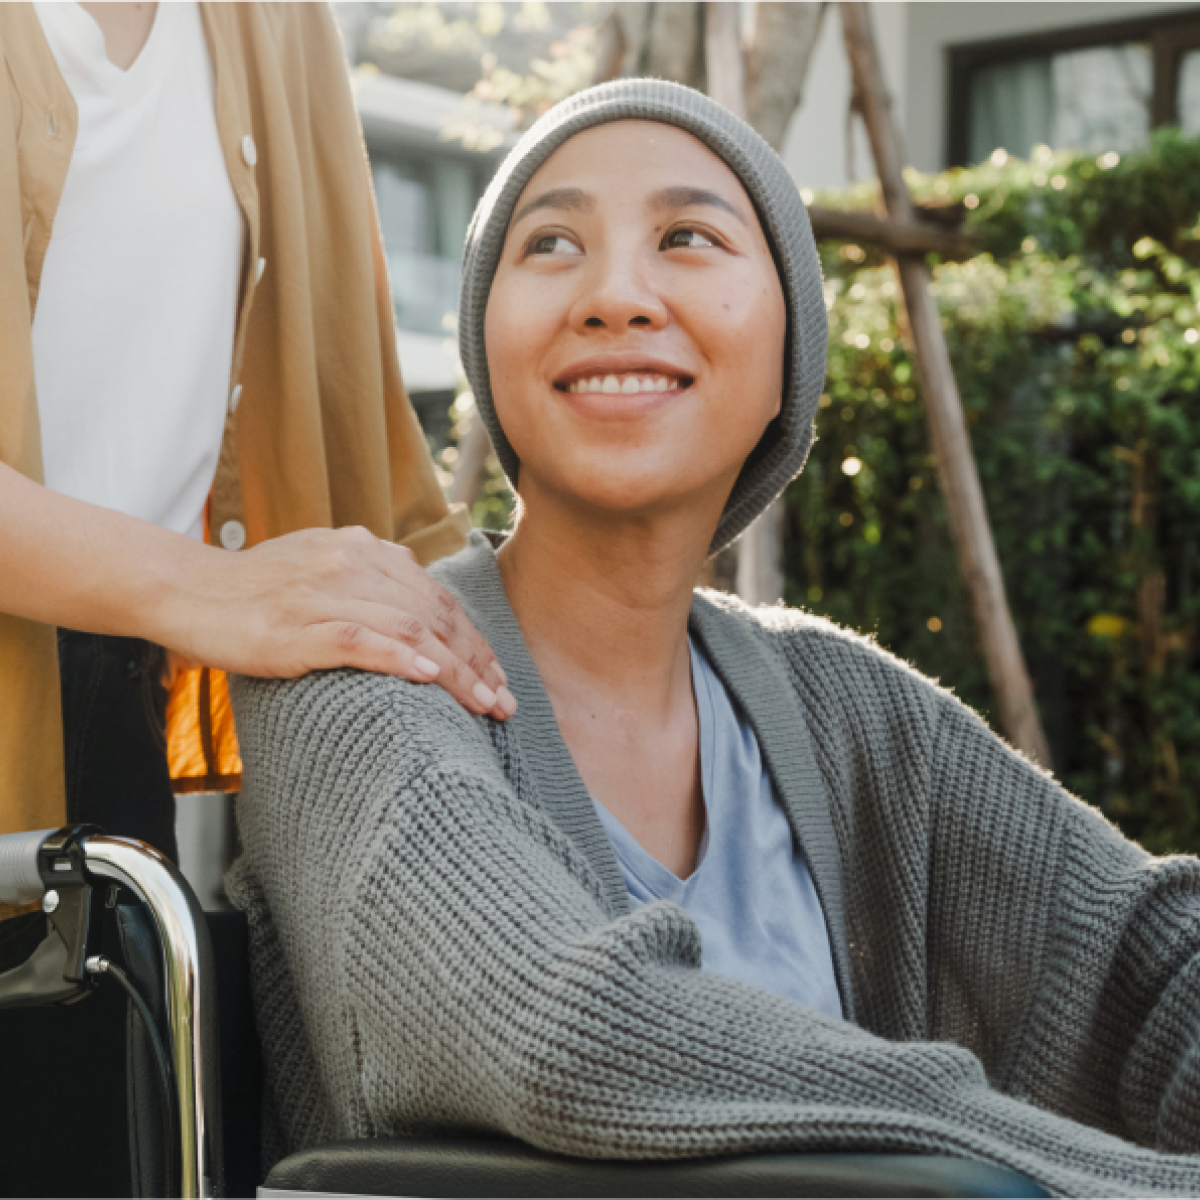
(324, 434)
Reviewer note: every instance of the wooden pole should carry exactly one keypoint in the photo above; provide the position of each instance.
(610, 47)
(957, 473)
(723, 55)
(470, 471)
(760, 548)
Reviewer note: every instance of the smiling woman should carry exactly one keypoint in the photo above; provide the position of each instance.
(635, 343)
(730, 879)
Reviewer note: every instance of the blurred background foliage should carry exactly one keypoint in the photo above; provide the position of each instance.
(1074, 339)
(527, 55)
(1074, 335)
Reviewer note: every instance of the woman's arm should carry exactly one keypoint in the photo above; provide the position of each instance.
(1067, 955)
(454, 968)
(320, 598)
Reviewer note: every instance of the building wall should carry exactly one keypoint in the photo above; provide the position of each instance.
(934, 27)
(914, 39)
(816, 146)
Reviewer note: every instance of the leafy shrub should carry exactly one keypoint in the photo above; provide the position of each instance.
(1075, 338)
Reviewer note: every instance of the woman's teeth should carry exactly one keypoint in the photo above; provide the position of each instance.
(626, 385)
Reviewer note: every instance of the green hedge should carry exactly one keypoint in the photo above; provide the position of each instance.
(1076, 343)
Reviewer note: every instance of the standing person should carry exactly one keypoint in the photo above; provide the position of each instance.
(198, 389)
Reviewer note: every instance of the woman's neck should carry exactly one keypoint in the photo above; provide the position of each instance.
(604, 613)
(608, 606)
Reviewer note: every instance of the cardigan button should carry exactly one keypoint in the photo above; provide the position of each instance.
(249, 150)
(233, 535)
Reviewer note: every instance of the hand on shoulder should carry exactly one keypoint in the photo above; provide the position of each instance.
(322, 598)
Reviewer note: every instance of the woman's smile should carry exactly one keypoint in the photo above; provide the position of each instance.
(621, 386)
(625, 385)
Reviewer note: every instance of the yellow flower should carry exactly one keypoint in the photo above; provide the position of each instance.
(1107, 625)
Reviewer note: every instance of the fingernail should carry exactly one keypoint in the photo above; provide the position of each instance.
(426, 665)
(506, 700)
(484, 695)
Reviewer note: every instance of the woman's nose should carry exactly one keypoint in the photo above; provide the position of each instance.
(618, 294)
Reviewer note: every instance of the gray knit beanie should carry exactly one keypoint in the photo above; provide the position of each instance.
(781, 453)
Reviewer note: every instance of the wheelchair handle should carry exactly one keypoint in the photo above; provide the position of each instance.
(20, 879)
(88, 858)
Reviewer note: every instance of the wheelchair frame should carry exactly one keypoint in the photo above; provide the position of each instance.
(74, 866)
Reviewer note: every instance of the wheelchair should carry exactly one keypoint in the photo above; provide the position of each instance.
(124, 928)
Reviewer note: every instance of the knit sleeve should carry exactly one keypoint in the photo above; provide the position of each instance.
(455, 970)
(1048, 924)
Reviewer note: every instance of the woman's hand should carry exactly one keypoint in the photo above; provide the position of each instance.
(320, 598)
(326, 598)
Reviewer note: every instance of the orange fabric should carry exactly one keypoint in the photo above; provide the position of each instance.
(202, 746)
(324, 434)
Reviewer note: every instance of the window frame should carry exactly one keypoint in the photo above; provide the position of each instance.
(1170, 36)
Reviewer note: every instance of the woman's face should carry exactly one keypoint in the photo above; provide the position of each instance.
(635, 329)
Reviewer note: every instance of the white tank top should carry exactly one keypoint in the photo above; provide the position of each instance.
(133, 332)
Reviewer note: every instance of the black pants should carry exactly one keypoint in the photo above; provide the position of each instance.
(114, 726)
(114, 730)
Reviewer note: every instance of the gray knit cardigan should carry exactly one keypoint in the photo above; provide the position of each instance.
(442, 940)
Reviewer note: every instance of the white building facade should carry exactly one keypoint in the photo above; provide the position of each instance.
(426, 187)
(969, 77)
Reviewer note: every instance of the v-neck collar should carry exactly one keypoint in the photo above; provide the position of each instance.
(632, 856)
(78, 44)
(742, 664)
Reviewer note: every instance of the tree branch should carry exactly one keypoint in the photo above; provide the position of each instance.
(779, 50)
(897, 237)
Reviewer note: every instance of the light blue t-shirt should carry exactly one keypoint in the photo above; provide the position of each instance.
(751, 894)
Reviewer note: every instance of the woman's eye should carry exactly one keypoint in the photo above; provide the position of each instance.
(553, 243)
(685, 239)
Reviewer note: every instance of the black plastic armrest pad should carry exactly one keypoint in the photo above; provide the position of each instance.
(501, 1167)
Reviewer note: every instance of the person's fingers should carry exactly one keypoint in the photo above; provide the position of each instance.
(331, 644)
(440, 611)
(361, 602)
(426, 658)
(456, 678)
(427, 600)
(454, 630)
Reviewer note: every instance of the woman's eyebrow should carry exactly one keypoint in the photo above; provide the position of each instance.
(570, 198)
(689, 197)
